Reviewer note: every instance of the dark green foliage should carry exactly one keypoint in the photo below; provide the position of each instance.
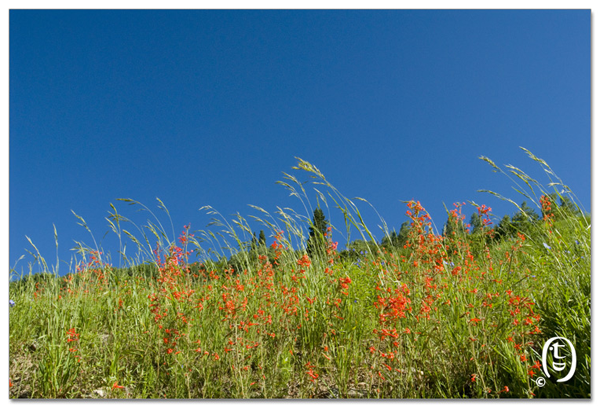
(317, 232)
(147, 270)
(568, 207)
(358, 249)
(257, 243)
(525, 219)
(453, 226)
(504, 228)
(476, 223)
(397, 240)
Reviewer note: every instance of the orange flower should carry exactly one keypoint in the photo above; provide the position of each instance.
(72, 336)
(116, 385)
(304, 261)
(537, 365)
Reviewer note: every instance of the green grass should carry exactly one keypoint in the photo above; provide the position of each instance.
(458, 316)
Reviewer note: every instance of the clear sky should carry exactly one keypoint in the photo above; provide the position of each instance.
(210, 107)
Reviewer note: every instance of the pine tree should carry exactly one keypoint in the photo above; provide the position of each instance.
(261, 238)
(568, 207)
(453, 226)
(403, 234)
(476, 223)
(504, 228)
(389, 241)
(524, 219)
(318, 229)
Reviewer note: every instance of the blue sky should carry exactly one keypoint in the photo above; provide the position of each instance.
(210, 107)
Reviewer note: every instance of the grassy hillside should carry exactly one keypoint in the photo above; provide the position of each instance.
(439, 316)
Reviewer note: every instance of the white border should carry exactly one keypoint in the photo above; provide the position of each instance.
(255, 4)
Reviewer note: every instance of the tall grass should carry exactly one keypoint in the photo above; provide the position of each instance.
(208, 315)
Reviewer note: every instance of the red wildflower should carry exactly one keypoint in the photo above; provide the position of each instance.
(304, 261)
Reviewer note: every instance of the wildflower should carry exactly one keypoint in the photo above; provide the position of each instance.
(304, 261)
(116, 385)
(72, 336)
(11, 302)
(483, 210)
(548, 247)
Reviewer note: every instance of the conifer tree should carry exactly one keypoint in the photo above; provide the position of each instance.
(476, 223)
(403, 234)
(318, 229)
(568, 207)
(524, 219)
(453, 226)
(504, 228)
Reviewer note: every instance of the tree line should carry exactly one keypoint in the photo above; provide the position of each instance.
(523, 221)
